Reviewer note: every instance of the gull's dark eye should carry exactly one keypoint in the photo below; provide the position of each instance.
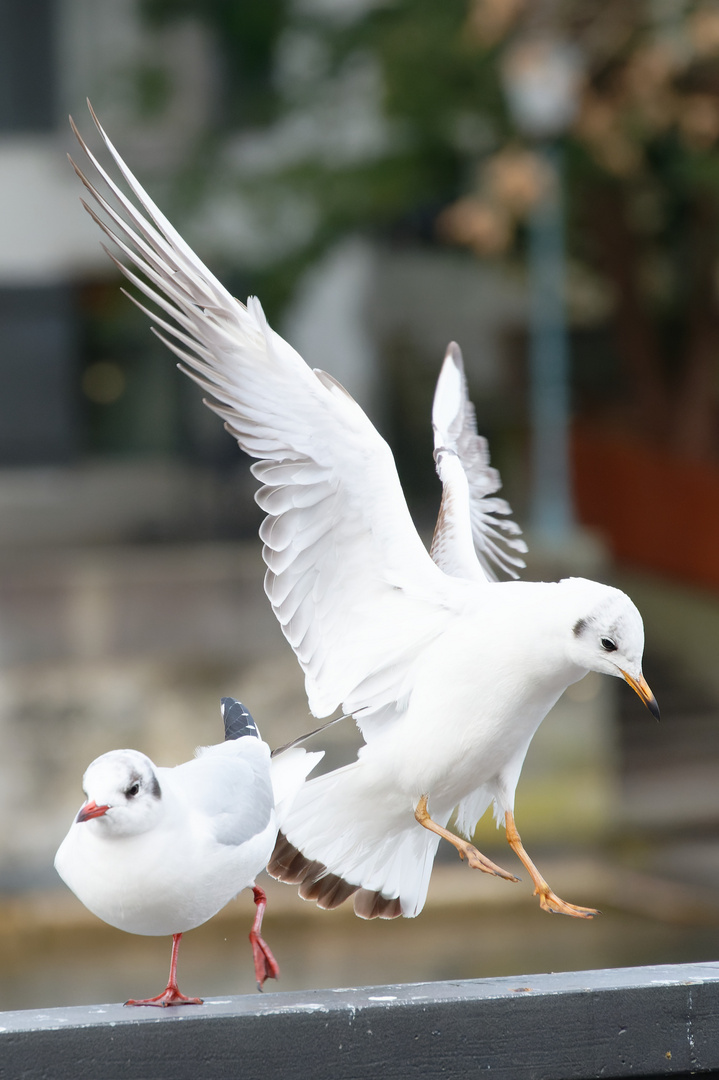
(133, 790)
(608, 645)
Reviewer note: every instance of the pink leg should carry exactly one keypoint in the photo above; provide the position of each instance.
(171, 994)
(266, 967)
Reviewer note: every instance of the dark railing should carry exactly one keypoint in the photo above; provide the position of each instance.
(646, 1022)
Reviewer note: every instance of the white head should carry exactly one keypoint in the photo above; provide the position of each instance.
(607, 634)
(123, 794)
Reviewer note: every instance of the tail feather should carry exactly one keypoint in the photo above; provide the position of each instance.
(373, 905)
(316, 883)
(336, 841)
(327, 890)
(288, 772)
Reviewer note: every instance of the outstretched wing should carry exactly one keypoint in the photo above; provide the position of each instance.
(348, 578)
(473, 536)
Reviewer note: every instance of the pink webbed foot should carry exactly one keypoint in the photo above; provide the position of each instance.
(266, 967)
(171, 994)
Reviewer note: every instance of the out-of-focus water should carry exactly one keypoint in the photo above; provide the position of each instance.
(53, 953)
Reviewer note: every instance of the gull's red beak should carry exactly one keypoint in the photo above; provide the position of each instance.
(91, 810)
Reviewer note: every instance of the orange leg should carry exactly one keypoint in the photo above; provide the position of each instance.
(475, 858)
(548, 900)
(171, 994)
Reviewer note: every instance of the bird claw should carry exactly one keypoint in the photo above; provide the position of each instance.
(549, 901)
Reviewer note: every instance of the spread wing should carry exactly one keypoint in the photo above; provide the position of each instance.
(473, 536)
(349, 580)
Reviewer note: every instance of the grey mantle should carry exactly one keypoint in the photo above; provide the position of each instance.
(641, 1022)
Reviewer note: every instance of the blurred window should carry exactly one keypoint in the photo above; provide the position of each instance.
(27, 65)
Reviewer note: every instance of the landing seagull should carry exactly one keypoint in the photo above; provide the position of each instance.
(447, 672)
(160, 851)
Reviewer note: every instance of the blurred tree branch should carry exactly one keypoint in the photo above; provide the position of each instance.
(392, 117)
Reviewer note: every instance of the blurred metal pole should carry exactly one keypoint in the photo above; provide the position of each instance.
(542, 79)
(551, 508)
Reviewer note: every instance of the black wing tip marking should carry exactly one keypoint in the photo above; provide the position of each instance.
(238, 720)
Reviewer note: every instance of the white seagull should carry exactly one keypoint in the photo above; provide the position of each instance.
(160, 851)
(447, 673)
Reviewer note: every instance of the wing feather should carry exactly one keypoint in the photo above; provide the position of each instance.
(473, 536)
(229, 786)
(349, 580)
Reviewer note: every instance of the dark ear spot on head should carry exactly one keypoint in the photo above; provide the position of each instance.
(579, 627)
(154, 788)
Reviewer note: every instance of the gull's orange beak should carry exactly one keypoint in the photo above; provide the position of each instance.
(91, 810)
(641, 687)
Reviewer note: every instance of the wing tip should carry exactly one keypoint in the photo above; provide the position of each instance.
(454, 353)
(237, 719)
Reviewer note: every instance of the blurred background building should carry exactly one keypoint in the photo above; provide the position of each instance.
(537, 181)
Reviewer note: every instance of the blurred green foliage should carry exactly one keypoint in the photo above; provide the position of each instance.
(429, 151)
(429, 78)
(246, 35)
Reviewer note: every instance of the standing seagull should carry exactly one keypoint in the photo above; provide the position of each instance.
(159, 851)
(447, 673)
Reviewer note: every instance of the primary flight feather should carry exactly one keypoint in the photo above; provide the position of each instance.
(447, 672)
